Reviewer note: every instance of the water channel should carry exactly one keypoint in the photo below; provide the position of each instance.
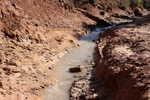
(75, 57)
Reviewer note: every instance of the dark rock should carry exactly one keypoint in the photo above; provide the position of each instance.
(138, 11)
(82, 97)
(76, 69)
(1, 85)
(102, 13)
(36, 24)
(13, 5)
(49, 68)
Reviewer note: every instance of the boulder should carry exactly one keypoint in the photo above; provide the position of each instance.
(77, 69)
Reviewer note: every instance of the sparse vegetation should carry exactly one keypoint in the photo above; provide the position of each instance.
(71, 4)
(112, 4)
(136, 3)
(146, 4)
(123, 4)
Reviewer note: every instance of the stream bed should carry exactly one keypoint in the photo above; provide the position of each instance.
(74, 57)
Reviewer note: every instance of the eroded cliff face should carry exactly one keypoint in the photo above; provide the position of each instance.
(124, 64)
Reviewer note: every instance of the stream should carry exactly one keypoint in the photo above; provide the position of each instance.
(74, 57)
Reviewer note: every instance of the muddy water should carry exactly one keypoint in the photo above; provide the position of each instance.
(74, 57)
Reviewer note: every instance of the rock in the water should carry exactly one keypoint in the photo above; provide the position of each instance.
(76, 69)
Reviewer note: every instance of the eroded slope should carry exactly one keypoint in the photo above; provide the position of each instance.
(33, 35)
(124, 64)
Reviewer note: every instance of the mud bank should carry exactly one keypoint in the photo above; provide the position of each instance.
(124, 63)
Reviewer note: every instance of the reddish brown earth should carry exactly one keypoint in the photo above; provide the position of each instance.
(125, 61)
(33, 35)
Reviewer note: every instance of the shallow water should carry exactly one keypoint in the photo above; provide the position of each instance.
(75, 57)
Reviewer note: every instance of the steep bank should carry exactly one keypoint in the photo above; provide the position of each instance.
(124, 61)
(33, 34)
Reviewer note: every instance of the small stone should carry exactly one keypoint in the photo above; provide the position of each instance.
(49, 68)
(17, 75)
(102, 13)
(93, 97)
(60, 55)
(97, 42)
(1, 85)
(77, 69)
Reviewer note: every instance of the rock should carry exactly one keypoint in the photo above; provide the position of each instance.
(1, 85)
(115, 15)
(49, 68)
(98, 19)
(96, 41)
(93, 97)
(102, 13)
(16, 75)
(60, 55)
(77, 69)
(138, 11)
